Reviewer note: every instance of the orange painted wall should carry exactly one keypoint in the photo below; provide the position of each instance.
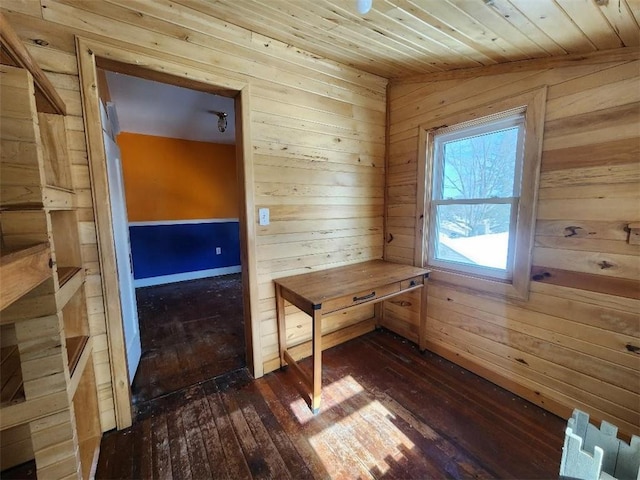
(174, 179)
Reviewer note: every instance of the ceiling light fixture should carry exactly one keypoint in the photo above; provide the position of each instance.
(222, 120)
(363, 6)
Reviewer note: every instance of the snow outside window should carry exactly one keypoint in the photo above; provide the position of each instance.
(477, 172)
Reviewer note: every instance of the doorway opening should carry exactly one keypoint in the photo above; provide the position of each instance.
(94, 55)
(175, 207)
(191, 331)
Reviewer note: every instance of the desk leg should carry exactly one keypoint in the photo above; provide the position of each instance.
(378, 313)
(422, 333)
(316, 378)
(282, 327)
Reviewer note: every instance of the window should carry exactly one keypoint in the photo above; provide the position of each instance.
(475, 195)
(480, 177)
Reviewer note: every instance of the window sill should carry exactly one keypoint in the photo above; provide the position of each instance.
(491, 286)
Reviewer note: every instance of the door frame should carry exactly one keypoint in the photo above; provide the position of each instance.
(93, 54)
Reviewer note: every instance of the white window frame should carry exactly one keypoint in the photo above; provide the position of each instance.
(441, 136)
(515, 284)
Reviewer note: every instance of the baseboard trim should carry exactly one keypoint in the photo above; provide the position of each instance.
(181, 277)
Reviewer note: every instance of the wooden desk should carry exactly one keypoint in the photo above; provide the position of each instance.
(338, 289)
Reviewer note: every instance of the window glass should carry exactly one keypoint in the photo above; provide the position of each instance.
(486, 245)
(481, 166)
(475, 194)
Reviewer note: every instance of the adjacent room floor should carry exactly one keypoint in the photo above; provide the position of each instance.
(387, 411)
(190, 332)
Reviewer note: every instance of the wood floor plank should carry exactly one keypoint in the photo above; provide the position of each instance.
(160, 449)
(269, 451)
(180, 461)
(260, 415)
(211, 439)
(144, 451)
(136, 449)
(278, 403)
(108, 455)
(122, 463)
(235, 460)
(261, 462)
(198, 458)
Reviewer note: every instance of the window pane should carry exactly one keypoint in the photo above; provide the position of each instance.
(475, 234)
(481, 166)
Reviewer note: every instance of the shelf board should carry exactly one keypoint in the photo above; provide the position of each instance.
(21, 198)
(12, 390)
(65, 274)
(70, 279)
(22, 269)
(48, 196)
(43, 301)
(75, 347)
(79, 352)
(30, 410)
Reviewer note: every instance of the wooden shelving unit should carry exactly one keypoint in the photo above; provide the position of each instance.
(29, 265)
(49, 405)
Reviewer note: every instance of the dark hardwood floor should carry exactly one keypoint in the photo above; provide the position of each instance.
(387, 412)
(190, 332)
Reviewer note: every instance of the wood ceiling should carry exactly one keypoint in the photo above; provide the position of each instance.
(407, 37)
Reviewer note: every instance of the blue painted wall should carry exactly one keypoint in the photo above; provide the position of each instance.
(183, 247)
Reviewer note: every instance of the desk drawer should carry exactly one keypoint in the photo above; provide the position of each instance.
(412, 282)
(365, 296)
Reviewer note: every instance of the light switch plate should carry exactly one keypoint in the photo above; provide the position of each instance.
(263, 216)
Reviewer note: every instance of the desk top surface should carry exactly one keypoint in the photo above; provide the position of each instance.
(322, 285)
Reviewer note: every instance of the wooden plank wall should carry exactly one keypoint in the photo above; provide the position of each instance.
(574, 343)
(317, 131)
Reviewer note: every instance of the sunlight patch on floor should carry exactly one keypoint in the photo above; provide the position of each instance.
(363, 438)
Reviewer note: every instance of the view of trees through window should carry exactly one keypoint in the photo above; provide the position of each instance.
(480, 167)
(477, 175)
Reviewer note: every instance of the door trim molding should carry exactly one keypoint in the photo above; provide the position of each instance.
(91, 55)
